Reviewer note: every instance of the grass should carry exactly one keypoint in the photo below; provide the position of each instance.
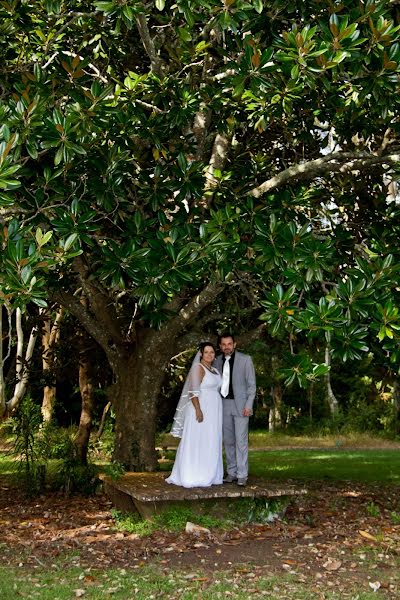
(370, 466)
(334, 464)
(209, 514)
(264, 439)
(64, 582)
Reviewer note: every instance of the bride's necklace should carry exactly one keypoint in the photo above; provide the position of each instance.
(211, 369)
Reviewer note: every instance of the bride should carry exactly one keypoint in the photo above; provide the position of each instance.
(198, 422)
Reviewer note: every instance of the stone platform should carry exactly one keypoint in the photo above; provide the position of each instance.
(149, 494)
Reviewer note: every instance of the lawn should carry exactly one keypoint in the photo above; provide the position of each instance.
(340, 546)
(156, 582)
(334, 465)
(337, 463)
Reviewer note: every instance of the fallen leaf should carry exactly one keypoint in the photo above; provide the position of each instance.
(367, 535)
(375, 585)
(332, 565)
(193, 528)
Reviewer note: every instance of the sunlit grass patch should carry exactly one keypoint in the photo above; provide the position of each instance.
(265, 439)
(363, 465)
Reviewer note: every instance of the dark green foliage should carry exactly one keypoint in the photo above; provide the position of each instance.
(32, 465)
(46, 449)
(71, 475)
(115, 470)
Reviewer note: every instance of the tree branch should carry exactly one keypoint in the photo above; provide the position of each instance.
(99, 301)
(191, 310)
(155, 61)
(337, 162)
(94, 327)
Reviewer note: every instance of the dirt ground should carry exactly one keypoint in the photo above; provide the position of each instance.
(337, 535)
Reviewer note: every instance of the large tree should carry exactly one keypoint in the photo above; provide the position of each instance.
(157, 157)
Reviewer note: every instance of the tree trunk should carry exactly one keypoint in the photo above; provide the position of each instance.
(330, 396)
(22, 362)
(50, 337)
(134, 398)
(310, 396)
(275, 417)
(275, 414)
(100, 430)
(2, 383)
(86, 387)
(396, 401)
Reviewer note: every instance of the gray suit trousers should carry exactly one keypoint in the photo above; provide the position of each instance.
(235, 434)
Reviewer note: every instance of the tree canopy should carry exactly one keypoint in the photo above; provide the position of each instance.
(158, 155)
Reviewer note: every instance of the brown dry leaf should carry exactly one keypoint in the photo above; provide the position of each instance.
(332, 565)
(367, 536)
(233, 543)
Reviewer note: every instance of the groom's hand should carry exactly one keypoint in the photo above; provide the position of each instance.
(247, 412)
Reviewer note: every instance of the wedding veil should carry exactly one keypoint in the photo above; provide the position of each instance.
(190, 389)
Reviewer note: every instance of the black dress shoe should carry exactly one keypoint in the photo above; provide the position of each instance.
(229, 479)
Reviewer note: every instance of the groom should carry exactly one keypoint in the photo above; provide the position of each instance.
(238, 391)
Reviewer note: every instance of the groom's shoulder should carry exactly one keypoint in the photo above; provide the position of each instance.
(242, 355)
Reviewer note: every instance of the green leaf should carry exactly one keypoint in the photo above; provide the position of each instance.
(258, 5)
(39, 301)
(184, 34)
(70, 241)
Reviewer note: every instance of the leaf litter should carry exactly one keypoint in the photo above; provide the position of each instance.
(329, 538)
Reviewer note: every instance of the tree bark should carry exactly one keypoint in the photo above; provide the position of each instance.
(330, 396)
(50, 337)
(337, 162)
(275, 413)
(275, 418)
(139, 375)
(310, 396)
(396, 402)
(86, 387)
(2, 383)
(22, 363)
(100, 430)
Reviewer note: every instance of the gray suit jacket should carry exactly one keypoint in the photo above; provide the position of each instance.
(243, 380)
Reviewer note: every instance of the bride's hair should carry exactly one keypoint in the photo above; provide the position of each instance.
(204, 345)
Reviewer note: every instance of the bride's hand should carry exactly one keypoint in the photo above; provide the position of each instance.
(199, 416)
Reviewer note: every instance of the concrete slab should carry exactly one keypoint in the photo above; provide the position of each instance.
(149, 494)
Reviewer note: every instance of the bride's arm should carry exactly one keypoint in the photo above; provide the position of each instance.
(196, 379)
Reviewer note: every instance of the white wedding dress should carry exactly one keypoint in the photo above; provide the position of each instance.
(198, 461)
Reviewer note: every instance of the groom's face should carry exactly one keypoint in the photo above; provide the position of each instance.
(227, 346)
